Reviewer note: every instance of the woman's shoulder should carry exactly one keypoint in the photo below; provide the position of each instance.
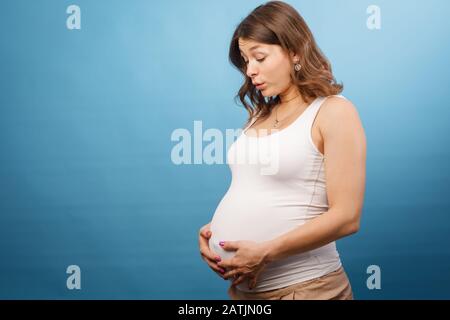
(337, 109)
(336, 99)
(337, 106)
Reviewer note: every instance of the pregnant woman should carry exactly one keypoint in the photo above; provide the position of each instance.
(273, 233)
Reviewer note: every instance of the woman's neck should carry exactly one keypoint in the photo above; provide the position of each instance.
(290, 97)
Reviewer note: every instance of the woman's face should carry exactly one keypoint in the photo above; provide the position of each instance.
(267, 65)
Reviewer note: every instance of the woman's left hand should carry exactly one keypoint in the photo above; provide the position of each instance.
(248, 262)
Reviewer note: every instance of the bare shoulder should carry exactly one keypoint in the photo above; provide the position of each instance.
(338, 112)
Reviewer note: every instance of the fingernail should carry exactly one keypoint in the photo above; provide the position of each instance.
(221, 243)
(222, 271)
(218, 259)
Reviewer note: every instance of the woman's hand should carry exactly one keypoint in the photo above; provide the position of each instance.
(248, 262)
(210, 257)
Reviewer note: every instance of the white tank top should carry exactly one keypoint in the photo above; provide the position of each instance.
(278, 183)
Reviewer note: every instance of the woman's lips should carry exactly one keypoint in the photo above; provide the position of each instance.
(260, 86)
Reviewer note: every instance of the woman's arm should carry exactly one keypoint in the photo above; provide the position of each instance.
(345, 158)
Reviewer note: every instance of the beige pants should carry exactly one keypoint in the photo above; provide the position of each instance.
(332, 286)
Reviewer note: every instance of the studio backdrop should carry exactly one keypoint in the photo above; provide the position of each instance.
(96, 97)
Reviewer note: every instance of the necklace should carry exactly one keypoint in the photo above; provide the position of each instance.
(276, 113)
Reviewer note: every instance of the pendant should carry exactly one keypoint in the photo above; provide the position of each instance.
(276, 123)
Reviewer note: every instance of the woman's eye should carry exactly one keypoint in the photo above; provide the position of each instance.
(259, 60)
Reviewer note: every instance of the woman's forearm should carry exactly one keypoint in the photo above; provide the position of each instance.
(327, 227)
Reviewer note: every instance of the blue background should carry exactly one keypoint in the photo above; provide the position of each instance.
(86, 118)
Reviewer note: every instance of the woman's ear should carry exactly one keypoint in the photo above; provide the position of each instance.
(295, 58)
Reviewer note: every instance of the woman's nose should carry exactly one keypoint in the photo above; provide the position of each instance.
(251, 70)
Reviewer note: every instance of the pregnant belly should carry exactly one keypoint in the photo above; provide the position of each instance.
(251, 218)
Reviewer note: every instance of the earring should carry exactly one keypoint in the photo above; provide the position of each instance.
(297, 67)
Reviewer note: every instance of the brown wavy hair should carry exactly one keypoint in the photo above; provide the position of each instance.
(276, 22)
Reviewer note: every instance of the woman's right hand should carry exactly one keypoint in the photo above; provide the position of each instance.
(209, 256)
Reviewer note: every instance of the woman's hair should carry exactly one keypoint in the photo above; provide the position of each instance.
(276, 22)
